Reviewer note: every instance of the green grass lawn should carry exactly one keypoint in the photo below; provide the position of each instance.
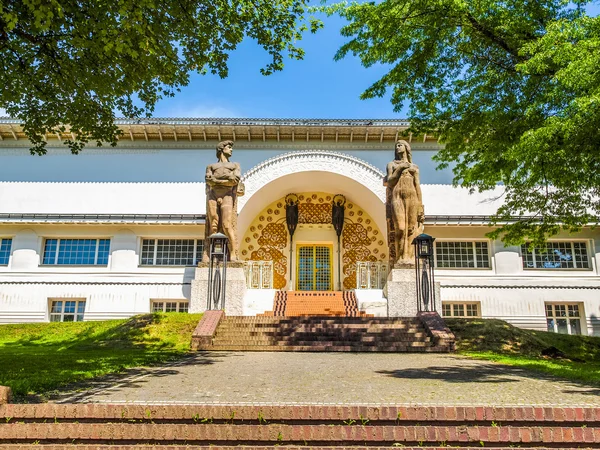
(577, 357)
(37, 358)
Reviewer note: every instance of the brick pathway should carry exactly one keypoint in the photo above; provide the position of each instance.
(341, 378)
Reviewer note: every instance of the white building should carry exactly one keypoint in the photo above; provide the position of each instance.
(114, 232)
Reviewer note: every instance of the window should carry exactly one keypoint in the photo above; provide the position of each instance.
(462, 254)
(563, 318)
(556, 255)
(76, 252)
(171, 252)
(5, 246)
(67, 310)
(170, 306)
(450, 309)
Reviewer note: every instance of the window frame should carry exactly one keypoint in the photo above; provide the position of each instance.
(588, 247)
(473, 242)
(10, 249)
(164, 302)
(568, 317)
(77, 301)
(451, 304)
(59, 239)
(195, 257)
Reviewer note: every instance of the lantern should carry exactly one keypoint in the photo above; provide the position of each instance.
(424, 270)
(218, 251)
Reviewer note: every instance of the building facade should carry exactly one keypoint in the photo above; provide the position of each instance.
(114, 232)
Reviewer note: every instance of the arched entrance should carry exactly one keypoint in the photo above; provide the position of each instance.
(315, 261)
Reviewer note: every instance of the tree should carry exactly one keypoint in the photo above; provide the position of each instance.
(511, 88)
(81, 62)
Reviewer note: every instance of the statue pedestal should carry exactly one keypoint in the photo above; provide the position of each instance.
(235, 289)
(401, 292)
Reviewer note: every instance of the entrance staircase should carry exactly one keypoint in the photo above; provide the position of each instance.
(315, 303)
(320, 333)
(186, 427)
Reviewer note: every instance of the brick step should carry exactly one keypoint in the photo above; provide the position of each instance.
(313, 338)
(332, 331)
(244, 427)
(320, 341)
(324, 348)
(322, 333)
(236, 447)
(319, 338)
(206, 434)
(347, 321)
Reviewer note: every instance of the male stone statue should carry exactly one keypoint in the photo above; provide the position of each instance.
(223, 187)
(404, 205)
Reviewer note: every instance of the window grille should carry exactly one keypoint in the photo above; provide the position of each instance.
(462, 254)
(5, 247)
(67, 310)
(563, 318)
(451, 309)
(170, 306)
(171, 252)
(76, 252)
(556, 255)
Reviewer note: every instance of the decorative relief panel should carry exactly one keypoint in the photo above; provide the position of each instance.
(361, 241)
(267, 238)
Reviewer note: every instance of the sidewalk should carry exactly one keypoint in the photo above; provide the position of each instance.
(340, 378)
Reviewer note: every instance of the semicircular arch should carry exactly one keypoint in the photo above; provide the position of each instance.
(313, 170)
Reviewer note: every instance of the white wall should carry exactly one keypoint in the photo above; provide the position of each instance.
(120, 289)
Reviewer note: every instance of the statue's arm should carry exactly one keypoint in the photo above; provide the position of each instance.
(392, 175)
(421, 214)
(417, 178)
(237, 173)
(208, 175)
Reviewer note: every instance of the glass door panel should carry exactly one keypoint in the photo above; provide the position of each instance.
(306, 268)
(314, 268)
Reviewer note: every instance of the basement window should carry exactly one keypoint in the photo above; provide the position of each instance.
(67, 310)
(458, 309)
(563, 318)
(170, 306)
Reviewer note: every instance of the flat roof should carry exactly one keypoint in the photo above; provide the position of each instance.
(244, 129)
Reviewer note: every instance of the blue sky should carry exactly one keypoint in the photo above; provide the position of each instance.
(316, 87)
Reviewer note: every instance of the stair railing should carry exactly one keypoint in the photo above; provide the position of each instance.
(371, 275)
(259, 274)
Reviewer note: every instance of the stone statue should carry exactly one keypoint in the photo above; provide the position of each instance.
(404, 205)
(223, 187)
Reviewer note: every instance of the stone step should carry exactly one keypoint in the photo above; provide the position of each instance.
(319, 344)
(317, 328)
(294, 427)
(317, 319)
(323, 334)
(243, 447)
(326, 336)
(324, 348)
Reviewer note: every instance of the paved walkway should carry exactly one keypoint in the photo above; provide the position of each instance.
(341, 378)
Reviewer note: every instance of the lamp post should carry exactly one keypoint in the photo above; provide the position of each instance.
(291, 220)
(217, 274)
(424, 272)
(337, 219)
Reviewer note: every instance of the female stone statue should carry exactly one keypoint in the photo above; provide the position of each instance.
(405, 202)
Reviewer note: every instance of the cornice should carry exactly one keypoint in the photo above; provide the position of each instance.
(204, 132)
